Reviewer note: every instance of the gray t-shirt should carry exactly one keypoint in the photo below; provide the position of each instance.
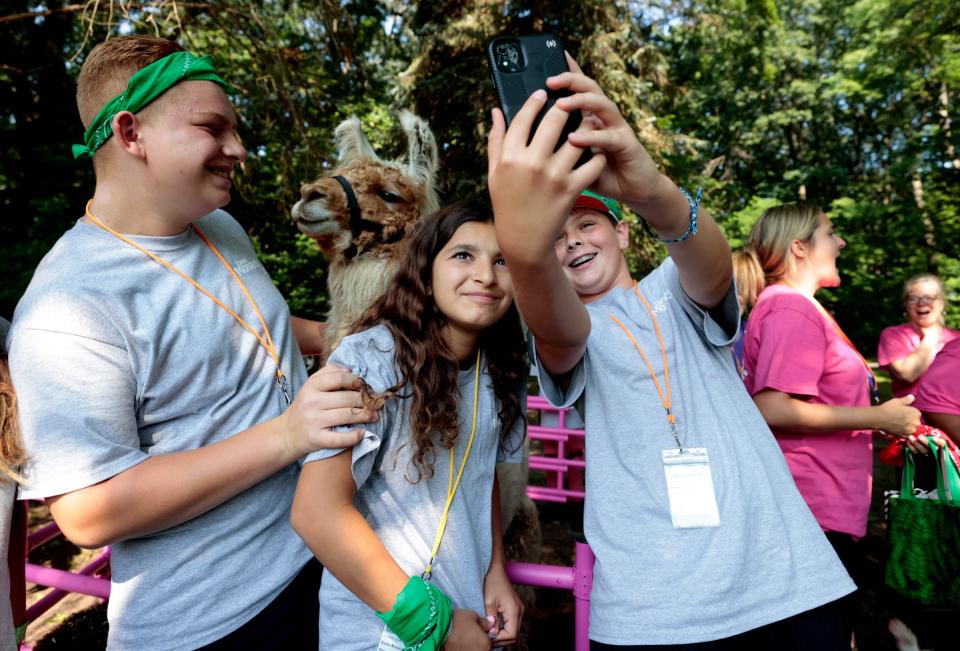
(116, 359)
(654, 584)
(405, 515)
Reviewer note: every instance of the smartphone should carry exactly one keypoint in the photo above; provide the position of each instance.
(519, 65)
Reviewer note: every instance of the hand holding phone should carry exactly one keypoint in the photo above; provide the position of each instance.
(520, 65)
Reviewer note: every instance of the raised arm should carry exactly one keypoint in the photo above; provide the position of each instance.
(632, 177)
(168, 489)
(532, 190)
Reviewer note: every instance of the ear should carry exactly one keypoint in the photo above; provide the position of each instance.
(351, 143)
(622, 229)
(126, 133)
(799, 249)
(421, 150)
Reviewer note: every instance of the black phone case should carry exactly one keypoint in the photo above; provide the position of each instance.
(544, 57)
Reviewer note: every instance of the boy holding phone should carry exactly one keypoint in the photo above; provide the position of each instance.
(156, 362)
(700, 535)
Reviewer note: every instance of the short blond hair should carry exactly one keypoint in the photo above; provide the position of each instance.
(771, 237)
(923, 278)
(109, 66)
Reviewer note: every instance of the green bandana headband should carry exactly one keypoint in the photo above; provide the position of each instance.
(144, 87)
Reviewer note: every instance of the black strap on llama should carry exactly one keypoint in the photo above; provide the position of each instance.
(358, 223)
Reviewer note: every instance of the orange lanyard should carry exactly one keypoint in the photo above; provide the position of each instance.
(666, 398)
(871, 378)
(266, 343)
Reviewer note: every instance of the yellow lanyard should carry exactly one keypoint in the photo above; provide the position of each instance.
(665, 398)
(266, 343)
(451, 486)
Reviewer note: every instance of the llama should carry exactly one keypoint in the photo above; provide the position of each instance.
(359, 215)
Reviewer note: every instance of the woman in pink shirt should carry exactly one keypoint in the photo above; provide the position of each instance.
(907, 350)
(938, 391)
(811, 385)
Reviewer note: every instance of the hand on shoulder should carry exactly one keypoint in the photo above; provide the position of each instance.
(329, 398)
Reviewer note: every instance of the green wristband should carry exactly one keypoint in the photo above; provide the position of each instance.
(420, 616)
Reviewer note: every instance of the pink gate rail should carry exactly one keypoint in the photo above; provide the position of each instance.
(562, 456)
(562, 459)
(92, 579)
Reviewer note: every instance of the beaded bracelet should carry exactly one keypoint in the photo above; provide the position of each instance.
(691, 229)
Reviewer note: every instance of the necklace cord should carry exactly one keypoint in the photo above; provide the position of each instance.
(266, 343)
(666, 398)
(451, 486)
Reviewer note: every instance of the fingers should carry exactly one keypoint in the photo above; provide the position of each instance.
(575, 82)
(907, 399)
(333, 378)
(495, 140)
(519, 132)
(573, 65)
(511, 613)
(329, 439)
(489, 624)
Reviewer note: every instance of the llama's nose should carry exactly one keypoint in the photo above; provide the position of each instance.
(309, 194)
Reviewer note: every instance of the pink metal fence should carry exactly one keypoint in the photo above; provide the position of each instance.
(561, 457)
(92, 579)
(578, 579)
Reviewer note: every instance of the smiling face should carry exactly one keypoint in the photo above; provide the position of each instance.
(470, 283)
(821, 254)
(191, 147)
(590, 249)
(924, 303)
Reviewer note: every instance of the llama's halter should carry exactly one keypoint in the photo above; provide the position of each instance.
(358, 224)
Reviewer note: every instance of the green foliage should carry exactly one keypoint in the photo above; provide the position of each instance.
(848, 104)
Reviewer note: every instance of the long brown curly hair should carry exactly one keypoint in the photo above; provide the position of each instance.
(427, 368)
(12, 454)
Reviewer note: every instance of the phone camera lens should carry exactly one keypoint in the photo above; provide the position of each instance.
(509, 57)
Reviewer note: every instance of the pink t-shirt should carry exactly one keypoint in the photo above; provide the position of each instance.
(938, 390)
(896, 342)
(791, 347)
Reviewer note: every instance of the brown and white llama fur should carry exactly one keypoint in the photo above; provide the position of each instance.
(391, 196)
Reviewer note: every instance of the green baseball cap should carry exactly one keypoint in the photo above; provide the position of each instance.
(607, 206)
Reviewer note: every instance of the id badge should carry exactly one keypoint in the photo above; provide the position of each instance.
(693, 502)
(389, 641)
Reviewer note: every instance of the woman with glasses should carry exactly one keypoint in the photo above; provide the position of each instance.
(907, 350)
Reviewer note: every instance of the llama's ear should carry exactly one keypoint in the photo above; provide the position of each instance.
(351, 143)
(422, 149)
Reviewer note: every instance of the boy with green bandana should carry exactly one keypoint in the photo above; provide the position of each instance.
(164, 402)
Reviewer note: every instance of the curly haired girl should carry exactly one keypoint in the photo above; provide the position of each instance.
(407, 523)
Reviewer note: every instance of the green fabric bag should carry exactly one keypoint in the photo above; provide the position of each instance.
(923, 561)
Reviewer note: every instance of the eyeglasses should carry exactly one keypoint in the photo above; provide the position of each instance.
(914, 300)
